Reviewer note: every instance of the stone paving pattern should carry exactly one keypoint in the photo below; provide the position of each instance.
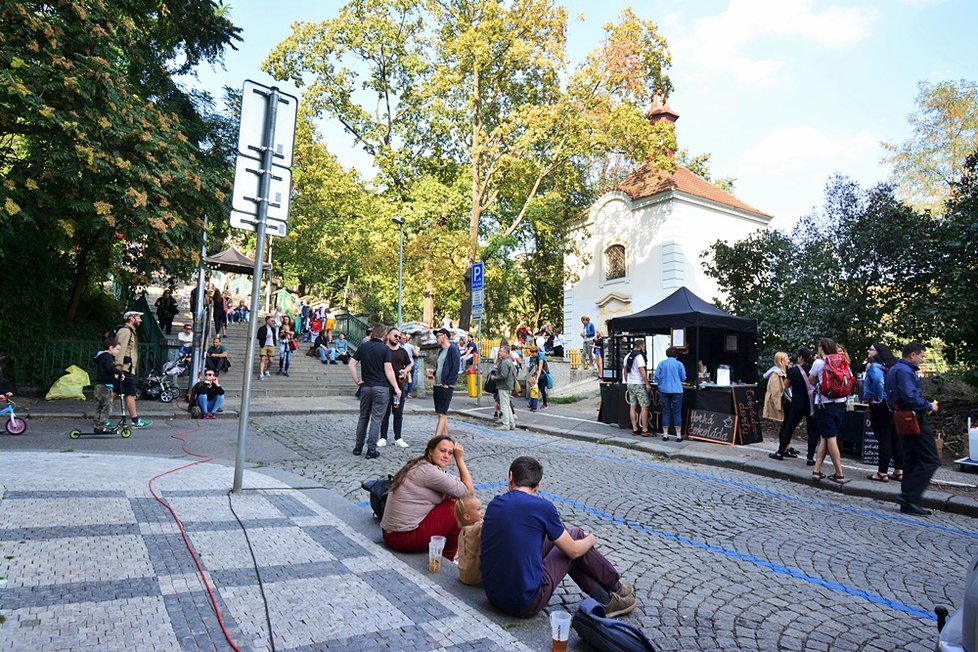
(91, 561)
(721, 560)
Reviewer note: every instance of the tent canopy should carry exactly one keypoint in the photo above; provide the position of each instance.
(233, 261)
(684, 309)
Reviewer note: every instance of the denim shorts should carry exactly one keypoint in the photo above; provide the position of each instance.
(829, 418)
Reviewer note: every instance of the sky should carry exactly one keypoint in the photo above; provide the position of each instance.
(783, 94)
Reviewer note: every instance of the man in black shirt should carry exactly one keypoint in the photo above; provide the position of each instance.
(401, 364)
(378, 379)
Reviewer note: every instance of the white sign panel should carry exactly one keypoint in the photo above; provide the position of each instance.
(249, 222)
(247, 179)
(254, 105)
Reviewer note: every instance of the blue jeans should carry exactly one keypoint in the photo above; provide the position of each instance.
(284, 356)
(210, 406)
(326, 354)
(672, 410)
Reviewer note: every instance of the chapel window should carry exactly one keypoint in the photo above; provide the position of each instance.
(614, 262)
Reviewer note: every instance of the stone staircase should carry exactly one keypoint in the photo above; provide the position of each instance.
(307, 375)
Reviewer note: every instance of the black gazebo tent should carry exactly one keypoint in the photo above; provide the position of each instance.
(712, 335)
(232, 260)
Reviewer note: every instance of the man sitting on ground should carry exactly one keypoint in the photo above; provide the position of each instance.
(518, 579)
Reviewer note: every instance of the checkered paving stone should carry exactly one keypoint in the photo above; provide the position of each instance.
(107, 569)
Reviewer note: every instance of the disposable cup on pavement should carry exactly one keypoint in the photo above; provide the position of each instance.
(435, 547)
(560, 624)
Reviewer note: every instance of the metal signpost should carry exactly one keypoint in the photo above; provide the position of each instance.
(260, 203)
(478, 285)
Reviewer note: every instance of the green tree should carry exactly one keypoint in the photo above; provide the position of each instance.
(106, 163)
(862, 268)
(957, 300)
(945, 132)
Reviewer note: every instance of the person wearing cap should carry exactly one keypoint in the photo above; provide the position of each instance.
(127, 361)
(446, 375)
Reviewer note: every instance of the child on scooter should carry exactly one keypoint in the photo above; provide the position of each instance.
(107, 379)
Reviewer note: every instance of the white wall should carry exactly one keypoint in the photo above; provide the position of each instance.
(663, 237)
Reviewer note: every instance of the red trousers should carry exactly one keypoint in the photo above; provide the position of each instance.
(440, 521)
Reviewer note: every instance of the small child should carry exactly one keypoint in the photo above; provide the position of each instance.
(534, 392)
(107, 377)
(468, 515)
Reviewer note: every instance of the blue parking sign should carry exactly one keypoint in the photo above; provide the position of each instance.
(478, 275)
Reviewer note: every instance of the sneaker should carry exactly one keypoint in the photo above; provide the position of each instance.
(357, 451)
(625, 589)
(261, 376)
(141, 423)
(372, 455)
(401, 443)
(809, 462)
(619, 605)
(776, 456)
(285, 373)
(381, 442)
(102, 431)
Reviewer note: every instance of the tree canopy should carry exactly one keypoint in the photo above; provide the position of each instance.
(107, 163)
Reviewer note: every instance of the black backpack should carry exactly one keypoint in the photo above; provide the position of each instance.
(606, 634)
(378, 490)
(112, 332)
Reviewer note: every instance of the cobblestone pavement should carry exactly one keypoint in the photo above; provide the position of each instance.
(721, 559)
(90, 560)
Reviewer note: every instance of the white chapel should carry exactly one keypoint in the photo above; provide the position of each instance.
(642, 240)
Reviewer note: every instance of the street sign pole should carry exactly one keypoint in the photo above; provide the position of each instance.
(199, 344)
(267, 157)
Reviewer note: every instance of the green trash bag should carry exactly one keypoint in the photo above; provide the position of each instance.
(70, 385)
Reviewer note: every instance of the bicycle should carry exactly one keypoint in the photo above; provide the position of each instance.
(15, 425)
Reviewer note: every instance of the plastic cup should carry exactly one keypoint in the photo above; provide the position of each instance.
(560, 625)
(435, 547)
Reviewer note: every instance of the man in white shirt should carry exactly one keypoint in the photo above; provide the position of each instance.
(637, 388)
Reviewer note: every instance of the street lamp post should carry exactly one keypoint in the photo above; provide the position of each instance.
(399, 221)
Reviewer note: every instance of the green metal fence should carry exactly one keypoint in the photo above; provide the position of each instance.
(40, 368)
(354, 329)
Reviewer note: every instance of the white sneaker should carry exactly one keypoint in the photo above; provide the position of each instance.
(381, 443)
(401, 443)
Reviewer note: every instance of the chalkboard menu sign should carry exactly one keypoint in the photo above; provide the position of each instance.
(871, 445)
(748, 416)
(712, 426)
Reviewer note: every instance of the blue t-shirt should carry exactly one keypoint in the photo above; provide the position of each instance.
(513, 531)
(670, 376)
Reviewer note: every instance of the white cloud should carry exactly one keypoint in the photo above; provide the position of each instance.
(793, 148)
(785, 173)
(716, 45)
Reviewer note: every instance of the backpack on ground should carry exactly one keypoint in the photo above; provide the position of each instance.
(378, 490)
(837, 380)
(607, 634)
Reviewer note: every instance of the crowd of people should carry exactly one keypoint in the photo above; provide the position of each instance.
(816, 388)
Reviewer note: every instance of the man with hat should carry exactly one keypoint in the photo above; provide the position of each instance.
(446, 375)
(127, 361)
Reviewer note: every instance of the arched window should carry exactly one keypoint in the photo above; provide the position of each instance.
(614, 262)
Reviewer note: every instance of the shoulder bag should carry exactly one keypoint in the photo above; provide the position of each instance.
(905, 423)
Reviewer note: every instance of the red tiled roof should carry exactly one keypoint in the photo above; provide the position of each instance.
(647, 181)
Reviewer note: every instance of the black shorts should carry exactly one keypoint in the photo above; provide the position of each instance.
(128, 385)
(443, 398)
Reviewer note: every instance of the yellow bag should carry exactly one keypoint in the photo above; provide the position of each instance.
(517, 388)
(70, 385)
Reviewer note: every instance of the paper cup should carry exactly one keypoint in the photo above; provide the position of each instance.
(560, 625)
(435, 547)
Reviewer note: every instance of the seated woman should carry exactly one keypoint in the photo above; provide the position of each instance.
(421, 502)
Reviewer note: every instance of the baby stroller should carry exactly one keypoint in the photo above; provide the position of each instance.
(162, 383)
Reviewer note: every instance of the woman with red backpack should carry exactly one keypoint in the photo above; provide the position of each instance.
(834, 383)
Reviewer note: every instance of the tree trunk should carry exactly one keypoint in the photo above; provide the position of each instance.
(81, 279)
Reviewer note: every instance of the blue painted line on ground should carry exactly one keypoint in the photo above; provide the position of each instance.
(763, 563)
(821, 504)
